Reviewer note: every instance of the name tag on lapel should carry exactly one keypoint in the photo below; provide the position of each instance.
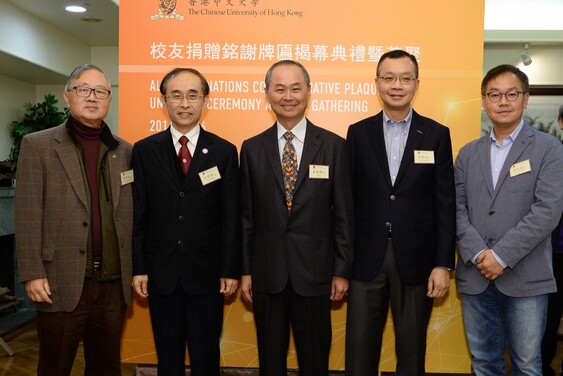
(520, 168)
(209, 175)
(318, 172)
(127, 177)
(424, 156)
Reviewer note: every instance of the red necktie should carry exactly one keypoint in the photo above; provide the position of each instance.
(184, 155)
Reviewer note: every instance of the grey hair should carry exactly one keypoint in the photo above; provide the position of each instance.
(287, 62)
(77, 72)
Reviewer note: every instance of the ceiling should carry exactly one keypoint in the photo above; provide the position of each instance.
(505, 20)
(105, 33)
(96, 34)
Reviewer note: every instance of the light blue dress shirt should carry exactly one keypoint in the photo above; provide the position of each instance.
(499, 152)
(396, 134)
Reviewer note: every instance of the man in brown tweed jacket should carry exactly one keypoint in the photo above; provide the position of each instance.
(73, 218)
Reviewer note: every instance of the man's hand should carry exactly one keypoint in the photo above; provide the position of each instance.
(246, 287)
(438, 283)
(38, 290)
(140, 285)
(339, 288)
(488, 265)
(228, 286)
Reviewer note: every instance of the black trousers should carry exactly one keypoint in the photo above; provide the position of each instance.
(368, 305)
(97, 320)
(309, 318)
(197, 320)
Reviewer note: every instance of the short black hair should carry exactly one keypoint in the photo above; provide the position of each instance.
(504, 68)
(397, 54)
(287, 62)
(176, 71)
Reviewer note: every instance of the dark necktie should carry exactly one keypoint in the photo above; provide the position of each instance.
(289, 169)
(184, 155)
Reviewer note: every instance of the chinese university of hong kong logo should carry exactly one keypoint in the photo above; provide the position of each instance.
(167, 9)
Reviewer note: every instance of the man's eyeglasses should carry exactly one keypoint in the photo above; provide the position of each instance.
(177, 97)
(512, 95)
(83, 91)
(403, 80)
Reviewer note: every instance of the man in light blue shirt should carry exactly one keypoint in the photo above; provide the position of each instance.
(396, 134)
(404, 201)
(509, 198)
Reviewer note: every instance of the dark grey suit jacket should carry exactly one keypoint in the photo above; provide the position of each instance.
(315, 241)
(515, 218)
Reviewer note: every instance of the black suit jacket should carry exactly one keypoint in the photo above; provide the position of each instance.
(315, 241)
(184, 230)
(419, 208)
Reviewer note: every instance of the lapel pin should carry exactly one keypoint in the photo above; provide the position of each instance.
(205, 151)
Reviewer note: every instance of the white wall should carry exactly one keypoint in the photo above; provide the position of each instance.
(13, 94)
(546, 61)
(33, 40)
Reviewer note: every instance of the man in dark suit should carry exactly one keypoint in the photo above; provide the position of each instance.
(186, 232)
(73, 218)
(404, 197)
(297, 227)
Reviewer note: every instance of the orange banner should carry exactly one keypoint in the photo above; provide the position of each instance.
(234, 42)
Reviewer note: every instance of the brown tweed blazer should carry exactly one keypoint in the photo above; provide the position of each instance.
(52, 215)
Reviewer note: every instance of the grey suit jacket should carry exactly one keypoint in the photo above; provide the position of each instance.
(515, 219)
(52, 215)
(316, 241)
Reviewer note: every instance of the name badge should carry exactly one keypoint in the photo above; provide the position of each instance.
(209, 176)
(424, 156)
(520, 168)
(127, 177)
(318, 172)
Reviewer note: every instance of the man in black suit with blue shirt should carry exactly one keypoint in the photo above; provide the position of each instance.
(186, 232)
(404, 198)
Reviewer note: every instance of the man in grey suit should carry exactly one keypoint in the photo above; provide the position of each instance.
(509, 197)
(297, 218)
(74, 218)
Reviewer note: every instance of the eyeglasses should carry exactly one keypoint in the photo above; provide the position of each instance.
(83, 91)
(393, 79)
(177, 97)
(495, 96)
